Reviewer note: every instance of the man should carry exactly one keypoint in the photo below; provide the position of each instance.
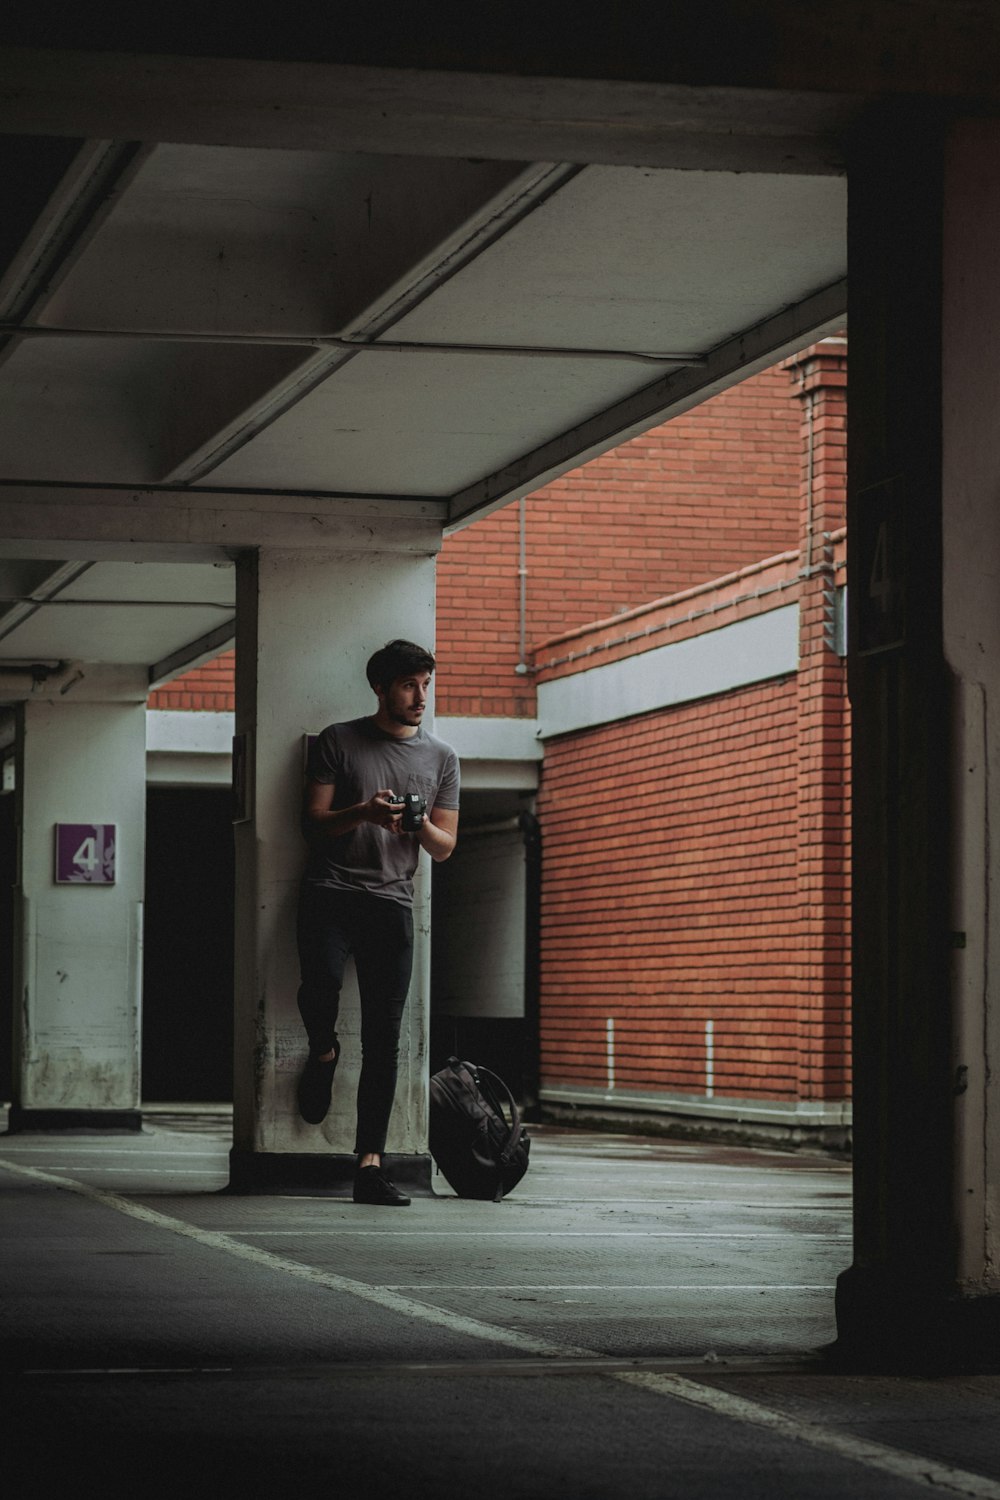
(357, 894)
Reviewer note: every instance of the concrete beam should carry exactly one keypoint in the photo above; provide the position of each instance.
(188, 525)
(421, 111)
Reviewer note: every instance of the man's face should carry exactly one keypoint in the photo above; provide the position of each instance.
(406, 698)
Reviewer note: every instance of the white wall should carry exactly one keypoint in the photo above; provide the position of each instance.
(479, 921)
(79, 966)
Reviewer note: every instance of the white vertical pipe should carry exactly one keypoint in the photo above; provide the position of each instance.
(522, 577)
(610, 1050)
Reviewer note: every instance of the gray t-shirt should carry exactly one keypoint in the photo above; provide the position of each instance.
(360, 759)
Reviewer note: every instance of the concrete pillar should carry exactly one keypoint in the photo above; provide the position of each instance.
(924, 556)
(81, 768)
(971, 623)
(306, 626)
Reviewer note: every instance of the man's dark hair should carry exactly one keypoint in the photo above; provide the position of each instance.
(398, 659)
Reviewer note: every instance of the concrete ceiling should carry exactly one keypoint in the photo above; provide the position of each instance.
(266, 328)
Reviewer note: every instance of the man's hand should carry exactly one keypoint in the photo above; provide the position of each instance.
(437, 833)
(384, 810)
(380, 809)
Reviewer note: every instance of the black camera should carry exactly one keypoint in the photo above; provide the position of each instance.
(414, 807)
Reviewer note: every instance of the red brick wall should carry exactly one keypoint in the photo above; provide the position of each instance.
(669, 883)
(211, 687)
(696, 860)
(705, 494)
(478, 621)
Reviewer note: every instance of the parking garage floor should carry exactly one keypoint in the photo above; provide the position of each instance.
(641, 1318)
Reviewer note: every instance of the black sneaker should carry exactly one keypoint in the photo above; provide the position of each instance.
(316, 1086)
(371, 1185)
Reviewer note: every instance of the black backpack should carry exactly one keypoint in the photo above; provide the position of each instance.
(479, 1154)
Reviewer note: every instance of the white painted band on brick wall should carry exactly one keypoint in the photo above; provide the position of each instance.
(734, 656)
(490, 738)
(196, 732)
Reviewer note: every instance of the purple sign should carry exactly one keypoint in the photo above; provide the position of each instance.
(85, 853)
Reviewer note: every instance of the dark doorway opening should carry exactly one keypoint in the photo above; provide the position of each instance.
(187, 1028)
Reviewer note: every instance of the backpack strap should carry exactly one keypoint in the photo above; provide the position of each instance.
(516, 1129)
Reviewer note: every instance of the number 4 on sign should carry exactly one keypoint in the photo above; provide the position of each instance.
(86, 856)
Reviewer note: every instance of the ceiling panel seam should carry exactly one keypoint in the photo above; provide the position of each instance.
(353, 346)
(23, 609)
(76, 210)
(534, 188)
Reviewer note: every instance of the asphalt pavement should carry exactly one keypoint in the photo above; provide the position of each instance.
(640, 1318)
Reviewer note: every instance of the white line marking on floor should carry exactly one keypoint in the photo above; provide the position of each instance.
(141, 1153)
(676, 1205)
(911, 1466)
(214, 1240)
(651, 1173)
(338, 1231)
(666, 1202)
(862, 1450)
(141, 1171)
(548, 1286)
(582, 1200)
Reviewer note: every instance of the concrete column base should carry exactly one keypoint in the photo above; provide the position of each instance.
(888, 1328)
(295, 1172)
(83, 1121)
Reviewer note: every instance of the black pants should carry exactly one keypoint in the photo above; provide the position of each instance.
(333, 925)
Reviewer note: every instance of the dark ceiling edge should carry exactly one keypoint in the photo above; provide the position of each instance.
(202, 649)
(730, 42)
(747, 353)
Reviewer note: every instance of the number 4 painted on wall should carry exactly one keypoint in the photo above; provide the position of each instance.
(878, 519)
